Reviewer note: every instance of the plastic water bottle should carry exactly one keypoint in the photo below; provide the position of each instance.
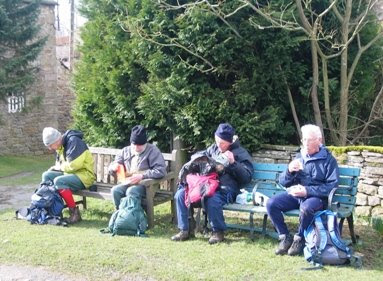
(244, 197)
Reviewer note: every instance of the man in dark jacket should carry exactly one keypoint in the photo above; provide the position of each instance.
(238, 171)
(73, 169)
(309, 177)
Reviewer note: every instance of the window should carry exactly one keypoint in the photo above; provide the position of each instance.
(16, 103)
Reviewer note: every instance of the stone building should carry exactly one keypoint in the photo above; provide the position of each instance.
(20, 132)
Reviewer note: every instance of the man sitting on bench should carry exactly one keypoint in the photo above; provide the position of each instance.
(309, 177)
(141, 160)
(239, 171)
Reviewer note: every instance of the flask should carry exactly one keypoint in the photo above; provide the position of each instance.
(120, 173)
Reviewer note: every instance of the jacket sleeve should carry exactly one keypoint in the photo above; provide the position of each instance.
(332, 179)
(242, 171)
(288, 179)
(157, 165)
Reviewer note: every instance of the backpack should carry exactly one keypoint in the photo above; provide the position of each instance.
(199, 186)
(129, 219)
(46, 206)
(323, 242)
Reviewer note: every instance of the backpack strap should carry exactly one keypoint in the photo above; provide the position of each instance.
(322, 232)
(331, 220)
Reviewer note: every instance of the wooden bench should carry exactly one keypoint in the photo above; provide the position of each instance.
(157, 191)
(265, 181)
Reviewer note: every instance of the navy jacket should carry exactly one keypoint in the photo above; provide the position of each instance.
(319, 176)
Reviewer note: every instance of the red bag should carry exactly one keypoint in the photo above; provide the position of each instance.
(199, 186)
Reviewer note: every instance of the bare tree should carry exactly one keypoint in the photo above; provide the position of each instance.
(326, 44)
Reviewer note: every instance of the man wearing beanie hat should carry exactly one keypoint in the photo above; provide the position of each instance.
(74, 166)
(237, 171)
(141, 160)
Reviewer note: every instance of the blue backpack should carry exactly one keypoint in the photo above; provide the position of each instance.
(129, 219)
(46, 206)
(324, 244)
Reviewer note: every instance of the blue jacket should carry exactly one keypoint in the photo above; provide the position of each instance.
(319, 176)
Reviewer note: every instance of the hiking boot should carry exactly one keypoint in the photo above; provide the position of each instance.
(285, 241)
(74, 215)
(297, 246)
(216, 237)
(181, 236)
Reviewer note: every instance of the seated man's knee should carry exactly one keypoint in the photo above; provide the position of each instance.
(310, 207)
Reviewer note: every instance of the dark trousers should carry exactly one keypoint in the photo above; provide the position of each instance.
(283, 202)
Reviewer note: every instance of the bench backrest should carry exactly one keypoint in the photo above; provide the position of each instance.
(104, 156)
(266, 177)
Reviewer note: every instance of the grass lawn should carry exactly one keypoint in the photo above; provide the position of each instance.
(82, 251)
(23, 170)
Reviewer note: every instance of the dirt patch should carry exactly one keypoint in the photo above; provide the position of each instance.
(15, 197)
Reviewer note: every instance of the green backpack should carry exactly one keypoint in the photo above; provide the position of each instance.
(129, 219)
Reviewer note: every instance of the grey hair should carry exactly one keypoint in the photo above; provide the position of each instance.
(312, 129)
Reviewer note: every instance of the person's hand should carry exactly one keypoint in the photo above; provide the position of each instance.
(134, 179)
(297, 190)
(230, 156)
(56, 167)
(295, 166)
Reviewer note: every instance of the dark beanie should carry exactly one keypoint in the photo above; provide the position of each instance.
(138, 135)
(225, 131)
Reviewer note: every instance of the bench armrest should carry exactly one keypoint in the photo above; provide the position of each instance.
(149, 182)
(330, 200)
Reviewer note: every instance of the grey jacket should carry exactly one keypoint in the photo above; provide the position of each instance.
(150, 160)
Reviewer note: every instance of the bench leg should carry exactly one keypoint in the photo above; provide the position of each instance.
(341, 226)
(150, 207)
(264, 224)
(350, 221)
(84, 202)
(252, 226)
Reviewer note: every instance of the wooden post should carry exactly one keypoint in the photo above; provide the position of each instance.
(176, 167)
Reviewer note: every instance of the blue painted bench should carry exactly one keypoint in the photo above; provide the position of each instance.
(265, 182)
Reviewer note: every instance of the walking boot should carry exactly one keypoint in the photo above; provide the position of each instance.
(297, 246)
(181, 236)
(285, 241)
(216, 237)
(74, 215)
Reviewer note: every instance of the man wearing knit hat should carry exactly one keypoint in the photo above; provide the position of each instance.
(141, 160)
(237, 171)
(74, 166)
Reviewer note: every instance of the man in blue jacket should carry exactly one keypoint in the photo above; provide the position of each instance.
(238, 171)
(309, 177)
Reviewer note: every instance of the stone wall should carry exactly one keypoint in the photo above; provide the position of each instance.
(20, 132)
(369, 200)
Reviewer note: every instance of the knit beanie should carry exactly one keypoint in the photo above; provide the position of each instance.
(50, 135)
(138, 135)
(225, 131)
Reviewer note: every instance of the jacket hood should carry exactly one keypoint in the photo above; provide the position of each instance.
(71, 133)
